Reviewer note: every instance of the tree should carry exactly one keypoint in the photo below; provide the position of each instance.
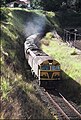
(35, 4)
(2, 3)
(75, 4)
(50, 5)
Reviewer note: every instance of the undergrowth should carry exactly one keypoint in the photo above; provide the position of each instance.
(70, 61)
(68, 58)
(15, 72)
(14, 67)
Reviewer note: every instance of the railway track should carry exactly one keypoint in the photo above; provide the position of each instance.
(58, 105)
(65, 110)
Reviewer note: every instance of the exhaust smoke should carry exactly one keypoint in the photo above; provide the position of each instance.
(35, 28)
(35, 25)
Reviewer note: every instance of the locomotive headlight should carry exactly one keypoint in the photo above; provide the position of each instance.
(50, 63)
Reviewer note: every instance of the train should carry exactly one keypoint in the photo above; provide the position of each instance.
(43, 66)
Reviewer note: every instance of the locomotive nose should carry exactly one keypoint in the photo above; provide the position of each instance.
(50, 74)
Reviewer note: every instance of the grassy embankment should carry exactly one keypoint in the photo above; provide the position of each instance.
(14, 68)
(70, 64)
(18, 96)
(70, 61)
(68, 57)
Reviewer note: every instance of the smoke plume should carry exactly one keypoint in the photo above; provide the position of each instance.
(35, 25)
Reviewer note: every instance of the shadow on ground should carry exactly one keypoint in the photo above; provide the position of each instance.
(21, 106)
(68, 87)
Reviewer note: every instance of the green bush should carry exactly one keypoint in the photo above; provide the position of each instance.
(74, 52)
(5, 87)
(49, 35)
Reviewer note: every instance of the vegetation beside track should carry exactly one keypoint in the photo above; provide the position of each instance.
(14, 68)
(18, 96)
(70, 61)
(70, 64)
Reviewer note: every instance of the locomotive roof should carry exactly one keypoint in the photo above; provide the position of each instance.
(39, 52)
(40, 59)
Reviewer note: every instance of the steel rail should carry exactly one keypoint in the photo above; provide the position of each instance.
(71, 106)
(57, 106)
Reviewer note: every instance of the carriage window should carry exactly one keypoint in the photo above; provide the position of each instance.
(45, 67)
(55, 67)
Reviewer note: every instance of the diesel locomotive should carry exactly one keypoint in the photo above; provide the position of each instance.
(44, 67)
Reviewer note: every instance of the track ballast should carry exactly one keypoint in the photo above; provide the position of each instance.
(65, 110)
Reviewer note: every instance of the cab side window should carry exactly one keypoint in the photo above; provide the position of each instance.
(55, 67)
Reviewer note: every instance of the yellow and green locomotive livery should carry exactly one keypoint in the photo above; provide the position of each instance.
(50, 71)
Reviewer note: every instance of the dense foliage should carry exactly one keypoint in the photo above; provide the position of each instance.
(4, 2)
(50, 5)
(55, 5)
(47, 4)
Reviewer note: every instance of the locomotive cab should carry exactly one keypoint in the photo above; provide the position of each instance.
(49, 71)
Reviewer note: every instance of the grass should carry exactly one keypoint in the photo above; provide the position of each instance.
(15, 72)
(14, 68)
(70, 64)
(70, 86)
